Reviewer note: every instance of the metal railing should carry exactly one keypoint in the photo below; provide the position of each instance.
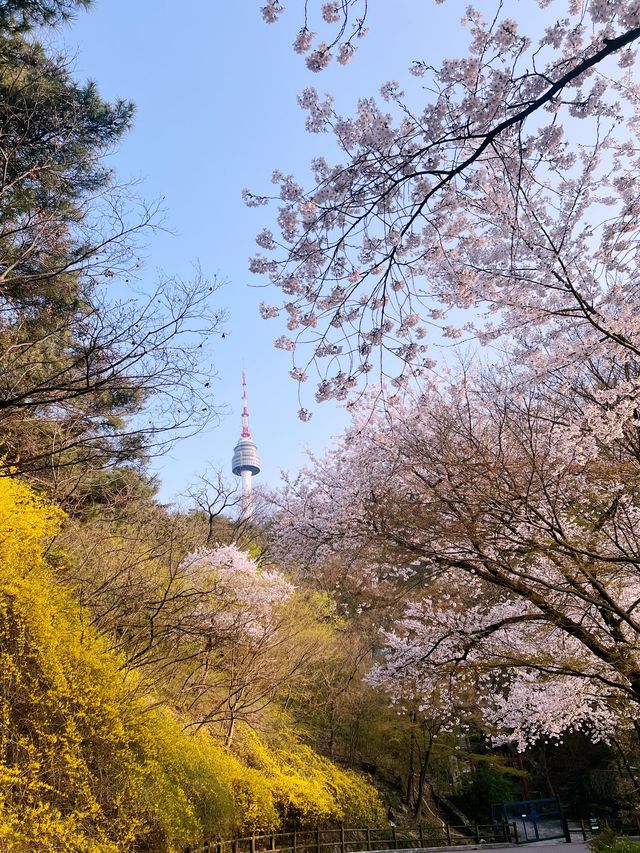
(587, 828)
(368, 838)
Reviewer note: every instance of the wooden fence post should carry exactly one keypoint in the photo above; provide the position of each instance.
(342, 847)
(368, 838)
(421, 833)
(394, 836)
(234, 846)
(252, 843)
(317, 839)
(448, 831)
(295, 841)
(477, 833)
(272, 842)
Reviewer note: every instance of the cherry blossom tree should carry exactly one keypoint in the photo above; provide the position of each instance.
(244, 616)
(246, 595)
(519, 554)
(503, 207)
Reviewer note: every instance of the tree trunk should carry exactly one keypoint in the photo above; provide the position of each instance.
(332, 730)
(230, 729)
(411, 770)
(625, 763)
(545, 770)
(422, 779)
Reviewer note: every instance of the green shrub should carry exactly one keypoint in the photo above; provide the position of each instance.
(608, 842)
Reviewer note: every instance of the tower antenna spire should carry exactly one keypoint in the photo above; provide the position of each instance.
(245, 408)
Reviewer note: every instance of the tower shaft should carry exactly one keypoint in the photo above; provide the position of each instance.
(247, 496)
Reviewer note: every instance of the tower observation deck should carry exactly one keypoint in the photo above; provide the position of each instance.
(245, 462)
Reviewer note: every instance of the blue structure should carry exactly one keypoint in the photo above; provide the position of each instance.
(532, 820)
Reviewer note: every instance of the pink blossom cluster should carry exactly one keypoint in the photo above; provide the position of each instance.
(504, 208)
(526, 690)
(245, 597)
(527, 548)
(342, 20)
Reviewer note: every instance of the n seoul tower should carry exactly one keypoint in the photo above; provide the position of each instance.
(246, 462)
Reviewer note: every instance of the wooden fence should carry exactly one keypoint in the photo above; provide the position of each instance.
(368, 838)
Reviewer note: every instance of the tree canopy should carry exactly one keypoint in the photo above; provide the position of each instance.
(451, 587)
(498, 495)
(502, 207)
(96, 368)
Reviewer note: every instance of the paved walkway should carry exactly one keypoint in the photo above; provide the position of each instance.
(552, 846)
(558, 846)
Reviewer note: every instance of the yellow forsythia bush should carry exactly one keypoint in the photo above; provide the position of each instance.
(86, 763)
(308, 788)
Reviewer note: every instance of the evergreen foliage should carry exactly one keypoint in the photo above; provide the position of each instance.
(487, 786)
(81, 354)
(23, 15)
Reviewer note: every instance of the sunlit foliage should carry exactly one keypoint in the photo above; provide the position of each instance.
(87, 763)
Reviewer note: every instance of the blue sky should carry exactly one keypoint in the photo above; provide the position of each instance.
(215, 90)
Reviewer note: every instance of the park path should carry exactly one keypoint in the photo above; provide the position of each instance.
(552, 846)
